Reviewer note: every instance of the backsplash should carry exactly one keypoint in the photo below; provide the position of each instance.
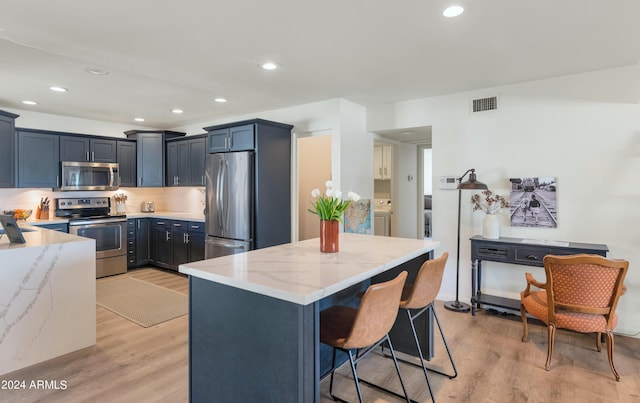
(175, 199)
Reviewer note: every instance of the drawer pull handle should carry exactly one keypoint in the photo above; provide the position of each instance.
(532, 257)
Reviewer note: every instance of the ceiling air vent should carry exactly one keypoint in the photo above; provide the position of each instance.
(484, 104)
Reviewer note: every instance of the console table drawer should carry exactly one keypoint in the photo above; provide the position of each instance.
(490, 252)
(530, 256)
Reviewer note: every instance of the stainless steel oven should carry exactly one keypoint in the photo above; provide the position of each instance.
(90, 218)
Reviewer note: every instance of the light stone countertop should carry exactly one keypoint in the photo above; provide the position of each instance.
(169, 215)
(51, 220)
(299, 273)
(38, 237)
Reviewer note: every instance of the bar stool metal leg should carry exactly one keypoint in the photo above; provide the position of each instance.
(353, 361)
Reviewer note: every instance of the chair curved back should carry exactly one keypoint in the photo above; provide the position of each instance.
(377, 313)
(427, 284)
(588, 284)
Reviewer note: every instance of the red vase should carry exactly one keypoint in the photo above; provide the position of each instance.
(329, 236)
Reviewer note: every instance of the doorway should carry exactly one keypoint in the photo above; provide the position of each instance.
(425, 161)
(314, 169)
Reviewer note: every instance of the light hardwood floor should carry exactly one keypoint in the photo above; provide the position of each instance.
(134, 364)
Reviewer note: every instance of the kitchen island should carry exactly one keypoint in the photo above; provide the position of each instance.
(47, 297)
(254, 316)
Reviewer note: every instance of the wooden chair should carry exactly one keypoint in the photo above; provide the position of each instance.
(581, 294)
(345, 328)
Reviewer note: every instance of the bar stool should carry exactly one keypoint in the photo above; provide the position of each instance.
(421, 295)
(345, 328)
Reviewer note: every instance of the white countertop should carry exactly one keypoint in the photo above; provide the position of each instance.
(169, 215)
(299, 273)
(38, 237)
(51, 220)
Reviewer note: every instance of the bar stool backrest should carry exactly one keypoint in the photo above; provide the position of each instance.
(377, 313)
(427, 284)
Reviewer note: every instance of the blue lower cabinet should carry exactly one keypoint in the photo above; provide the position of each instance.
(63, 227)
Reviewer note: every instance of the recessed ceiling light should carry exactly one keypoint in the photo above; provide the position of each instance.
(269, 66)
(96, 71)
(220, 100)
(30, 102)
(176, 110)
(453, 11)
(139, 119)
(58, 89)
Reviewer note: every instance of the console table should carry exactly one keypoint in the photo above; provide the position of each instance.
(527, 252)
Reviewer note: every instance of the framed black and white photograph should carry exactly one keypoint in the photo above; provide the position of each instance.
(533, 202)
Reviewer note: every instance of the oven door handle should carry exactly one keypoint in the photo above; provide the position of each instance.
(101, 221)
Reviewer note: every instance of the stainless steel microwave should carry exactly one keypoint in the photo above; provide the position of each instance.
(89, 176)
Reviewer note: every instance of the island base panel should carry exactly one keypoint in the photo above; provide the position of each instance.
(247, 347)
(401, 335)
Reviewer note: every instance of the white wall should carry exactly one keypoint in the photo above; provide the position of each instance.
(44, 121)
(404, 222)
(584, 129)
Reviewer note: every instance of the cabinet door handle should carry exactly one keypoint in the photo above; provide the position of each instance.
(167, 232)
(230, 142)
(532, 257)
(226, 141)
(87, 156)
(160, 223)
(57, 181)
(177, 225)
(138, 222)
(385, 171)
(93, 155)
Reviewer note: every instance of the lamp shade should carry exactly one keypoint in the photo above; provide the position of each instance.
(472, 183)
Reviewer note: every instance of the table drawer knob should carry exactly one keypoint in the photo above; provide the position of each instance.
(532, 257)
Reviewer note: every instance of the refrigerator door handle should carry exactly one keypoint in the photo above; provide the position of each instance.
(219, 194)
(225, 194)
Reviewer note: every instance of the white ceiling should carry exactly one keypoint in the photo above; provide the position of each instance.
(166, 54)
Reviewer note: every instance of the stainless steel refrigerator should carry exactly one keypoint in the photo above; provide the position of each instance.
(229, 203)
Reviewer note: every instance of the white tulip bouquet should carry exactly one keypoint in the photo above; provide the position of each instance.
(330, 206)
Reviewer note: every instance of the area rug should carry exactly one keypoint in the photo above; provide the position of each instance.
(139, 301)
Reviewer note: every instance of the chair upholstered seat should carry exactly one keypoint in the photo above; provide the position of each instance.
(536, 305)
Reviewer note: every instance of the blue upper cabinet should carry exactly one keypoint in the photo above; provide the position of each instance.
(38, 159)
(186, 161)
(237, 138)
(151, 155)
(127, 161)
(7, 152)
(82, 148)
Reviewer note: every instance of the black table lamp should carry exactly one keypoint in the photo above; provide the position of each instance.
(473, 184)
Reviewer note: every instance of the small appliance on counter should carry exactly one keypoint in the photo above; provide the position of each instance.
(148, 207)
